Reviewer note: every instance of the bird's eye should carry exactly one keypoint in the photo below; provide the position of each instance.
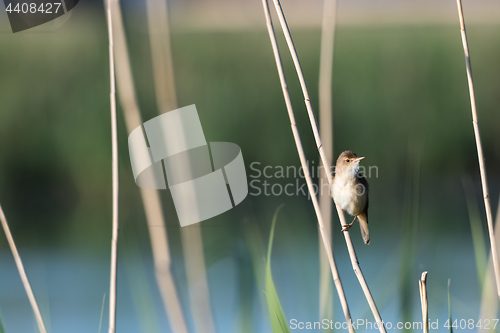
(348, 160)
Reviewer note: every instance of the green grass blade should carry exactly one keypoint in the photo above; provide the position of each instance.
(449, 308)
(476, 225)
(102, 311)
(257, 249)
(2, 330)
(278, 319)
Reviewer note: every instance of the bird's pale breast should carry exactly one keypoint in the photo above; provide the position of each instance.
(349, 195)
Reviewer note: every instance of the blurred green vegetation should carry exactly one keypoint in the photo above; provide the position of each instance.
(278, 318)
(400, 99)
(398, 92)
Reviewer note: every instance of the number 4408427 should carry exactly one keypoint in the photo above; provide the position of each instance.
(485, 324)
(25, 8)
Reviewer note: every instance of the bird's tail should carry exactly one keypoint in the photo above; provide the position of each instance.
(363, 225)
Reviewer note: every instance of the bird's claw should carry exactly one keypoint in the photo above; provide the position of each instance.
(346, 227)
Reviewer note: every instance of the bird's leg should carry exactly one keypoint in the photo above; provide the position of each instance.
(348, 226)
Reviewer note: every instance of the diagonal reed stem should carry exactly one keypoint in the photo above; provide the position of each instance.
(326, 127)
(22, 272)
(482, 168)
(422, 284)
(161, 54)
(114, 162)
(326, 164)
(307, 176)
(150, 198)
(192, 241)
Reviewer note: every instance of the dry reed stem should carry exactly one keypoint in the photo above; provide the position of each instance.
(326, 164)
(199, 295)
(480, 155)
(422, 284)
(114, 162)
(150, 198)
(22, 272)
(161, 54)
(307, 176)
(192, 242)
(326, 127)
(162, 260)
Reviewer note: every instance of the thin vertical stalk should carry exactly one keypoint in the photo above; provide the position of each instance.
(114, 162)
(449, 307)
(482, 168)
(307, 176)
(326, 164)
(22, 272)
(422, 284)
(192, 241)
(150, 198)
(326, 127)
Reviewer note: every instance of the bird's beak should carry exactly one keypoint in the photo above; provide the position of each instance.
(358, 159)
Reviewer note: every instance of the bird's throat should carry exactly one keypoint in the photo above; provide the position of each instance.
(348, 173)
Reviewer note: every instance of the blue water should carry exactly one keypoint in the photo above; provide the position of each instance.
(70, 287)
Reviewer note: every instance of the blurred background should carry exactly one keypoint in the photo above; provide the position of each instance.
(400, 98)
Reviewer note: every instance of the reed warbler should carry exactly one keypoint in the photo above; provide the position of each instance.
(350, 191)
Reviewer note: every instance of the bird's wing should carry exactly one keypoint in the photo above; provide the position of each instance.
(363, 218)
(364, 182)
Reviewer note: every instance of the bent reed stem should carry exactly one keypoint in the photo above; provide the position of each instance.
(153, 209)
(482, 168)
(22, 272)
(307, 176)
(326, 164)
(115, 185)
(422, 284)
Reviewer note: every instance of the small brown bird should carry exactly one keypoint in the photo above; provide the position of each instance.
(350, 191)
